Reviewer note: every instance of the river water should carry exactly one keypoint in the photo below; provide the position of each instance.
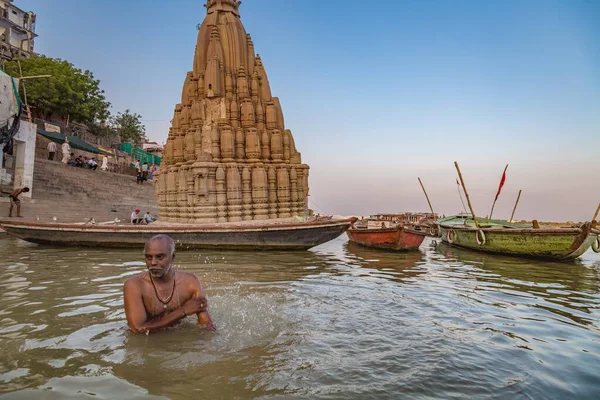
(336, 322)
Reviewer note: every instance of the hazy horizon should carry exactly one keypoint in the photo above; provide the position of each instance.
(379, 94)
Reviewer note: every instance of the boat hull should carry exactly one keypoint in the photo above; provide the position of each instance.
(242, 237)
(555, 244)
(397, 238)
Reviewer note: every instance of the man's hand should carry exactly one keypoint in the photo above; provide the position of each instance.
(195, 305)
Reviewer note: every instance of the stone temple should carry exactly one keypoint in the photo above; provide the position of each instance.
(228, 156)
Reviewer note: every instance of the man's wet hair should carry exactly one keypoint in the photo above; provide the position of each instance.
(26, 189)
(169, 239)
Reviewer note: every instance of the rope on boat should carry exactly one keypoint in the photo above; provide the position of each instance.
(451, 236)
(596, 245)
(481, 241)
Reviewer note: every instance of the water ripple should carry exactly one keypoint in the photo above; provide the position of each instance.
(339, 321)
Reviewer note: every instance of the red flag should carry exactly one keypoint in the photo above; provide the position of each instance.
(501, 183)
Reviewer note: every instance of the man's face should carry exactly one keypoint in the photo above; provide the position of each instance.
(158, 258)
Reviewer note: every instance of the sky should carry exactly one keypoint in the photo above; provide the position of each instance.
(378, 93)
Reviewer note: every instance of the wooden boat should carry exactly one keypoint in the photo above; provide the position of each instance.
(398, 237)
(291, 236)
(502, 237)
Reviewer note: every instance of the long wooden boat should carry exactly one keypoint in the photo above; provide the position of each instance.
(394, 238)
(502, 237)
(286, 236)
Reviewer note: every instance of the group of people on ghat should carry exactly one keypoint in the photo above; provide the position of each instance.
(144, 171)
(145, 219)
(69, 157)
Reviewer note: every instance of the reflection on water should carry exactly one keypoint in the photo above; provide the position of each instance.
(340, 321)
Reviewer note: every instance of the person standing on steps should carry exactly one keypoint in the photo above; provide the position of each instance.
(66, 150)
(14, 200)
(163, 296)
(51, 150)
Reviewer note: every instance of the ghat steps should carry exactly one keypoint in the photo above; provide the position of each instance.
(76, 194)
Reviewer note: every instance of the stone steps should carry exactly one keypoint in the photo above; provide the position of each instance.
(72, 194)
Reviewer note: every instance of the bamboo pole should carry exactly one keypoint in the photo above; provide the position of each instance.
(462, 182)
(516, 202)
(24, 92)
(428, 202)
(596, 213)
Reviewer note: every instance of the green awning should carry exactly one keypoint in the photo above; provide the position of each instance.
(74, 141)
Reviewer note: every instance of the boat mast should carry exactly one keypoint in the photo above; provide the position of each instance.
(428, 202)
(514, 209)
(462, 182)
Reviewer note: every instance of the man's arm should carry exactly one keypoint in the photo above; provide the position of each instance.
(204, 319)
(137, 318)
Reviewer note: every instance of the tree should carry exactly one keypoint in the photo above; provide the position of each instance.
(129, 127)
(68, 92)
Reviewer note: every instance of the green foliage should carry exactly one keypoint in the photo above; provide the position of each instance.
(101, 129)
(129, 127)
(69, 91)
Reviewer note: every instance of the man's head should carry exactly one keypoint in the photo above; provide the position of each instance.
(159, 253)
(147, 212)
(137, 210)
(25, 189)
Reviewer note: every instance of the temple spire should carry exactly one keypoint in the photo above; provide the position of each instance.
(228, 155)
(223, 5)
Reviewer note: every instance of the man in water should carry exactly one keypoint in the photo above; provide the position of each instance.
(14, 201)
(162, 296)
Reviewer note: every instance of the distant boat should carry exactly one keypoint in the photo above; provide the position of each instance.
(524, 240)
(265, 236)
(397, 237)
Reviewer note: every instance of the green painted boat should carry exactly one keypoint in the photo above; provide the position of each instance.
(523, 240)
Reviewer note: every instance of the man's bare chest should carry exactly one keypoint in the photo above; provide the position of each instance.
(158, 301)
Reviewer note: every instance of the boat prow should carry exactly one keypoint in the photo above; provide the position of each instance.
(267, 236)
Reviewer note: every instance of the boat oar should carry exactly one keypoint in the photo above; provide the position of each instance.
(428, 202)
(515, 208)
(462, 182)
(596, 213)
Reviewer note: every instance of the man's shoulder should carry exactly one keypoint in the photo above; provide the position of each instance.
(189, 277)
(135, 280)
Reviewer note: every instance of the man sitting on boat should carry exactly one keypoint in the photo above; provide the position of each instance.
(162, 296)
(135, 217)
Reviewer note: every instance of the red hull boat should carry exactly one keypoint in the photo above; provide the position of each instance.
(394, 238)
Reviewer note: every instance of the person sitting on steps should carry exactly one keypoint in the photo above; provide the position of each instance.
(135, 217)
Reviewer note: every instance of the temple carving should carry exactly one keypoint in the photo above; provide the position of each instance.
(228, 155)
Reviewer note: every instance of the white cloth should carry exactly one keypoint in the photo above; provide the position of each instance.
(104, 166)
(134, 217)
(148, 218)
(66, 150)
(52, 147)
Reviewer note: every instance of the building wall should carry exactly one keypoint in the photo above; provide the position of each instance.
(17, 29)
